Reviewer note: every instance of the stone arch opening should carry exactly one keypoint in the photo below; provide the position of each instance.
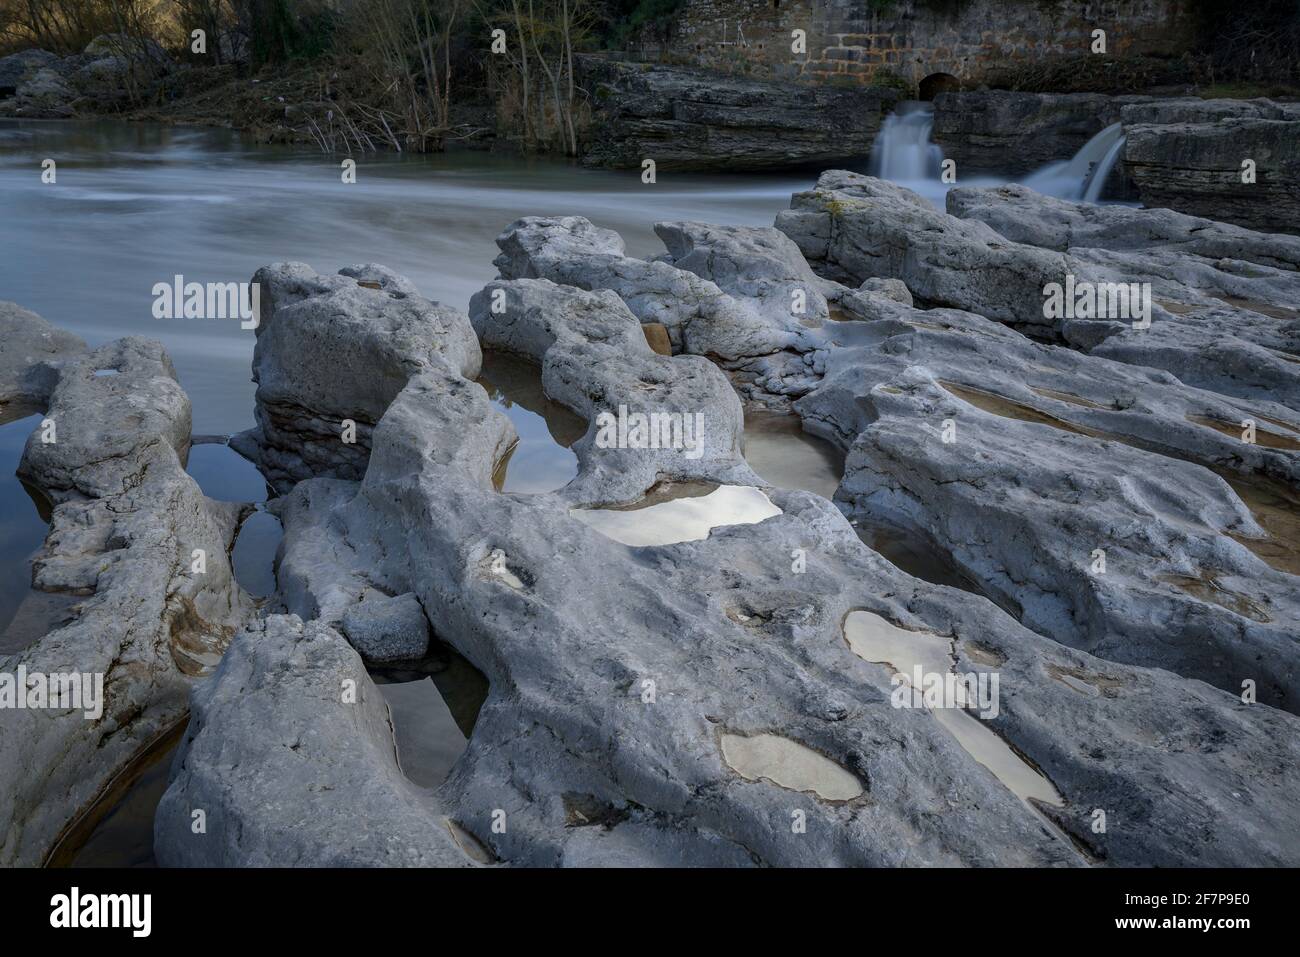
(937, 83)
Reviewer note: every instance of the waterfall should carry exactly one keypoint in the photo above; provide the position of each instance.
(902, 153)
(1100, 172)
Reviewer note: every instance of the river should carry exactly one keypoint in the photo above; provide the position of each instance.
(136, 204)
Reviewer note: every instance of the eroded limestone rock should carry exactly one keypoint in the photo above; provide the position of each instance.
(334, 350)
(146, 556)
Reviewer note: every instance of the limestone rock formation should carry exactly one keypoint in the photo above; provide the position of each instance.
(1192, 156)
(318, 401)
(1212, 320)
(695, 119)
(678, 703)
(31, 352)
(144, 554)
(1016, 132)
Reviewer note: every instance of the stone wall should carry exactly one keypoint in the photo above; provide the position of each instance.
(864, 41)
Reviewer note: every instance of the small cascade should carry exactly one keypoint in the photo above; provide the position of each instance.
(903, 154)
(902, 151)
(1100, 172)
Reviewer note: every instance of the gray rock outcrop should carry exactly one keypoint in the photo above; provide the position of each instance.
(693, 119)
(384, 628)
(31, 353)
(1210, 318)
(631, 688)
(358, 337)
(145, 555)
(293, 721)
(1013, 132)
(17, 68)
(1192, 156)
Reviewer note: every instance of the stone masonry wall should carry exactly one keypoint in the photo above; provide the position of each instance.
(864, 41)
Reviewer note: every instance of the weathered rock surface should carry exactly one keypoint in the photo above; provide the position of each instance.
(569, 626)
(1165, 111)
(1012, 132)
(1227, 293)
(1189, 156)
(1024, 216)
(1023, 507)
(127, 530)
(693, 119)
(31, 352)
(854, 227)
(290, 769)
(356, 339)
(384, 628)
(595, 359)
(742, 296)
(44, 95)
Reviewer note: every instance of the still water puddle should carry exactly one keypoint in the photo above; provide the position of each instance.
(117, 829)
(915, 555)
(1263, 308)
(542, 460)
(427, 738)
(1270, 440)
(874, 639)
(26, 614)
(687, 518)
(433, 705)
(779, 450)
(1009, 409)
(1276, 509)
(226, 476)
(1068, 397)
(789, 764)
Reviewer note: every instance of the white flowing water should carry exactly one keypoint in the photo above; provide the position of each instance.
(903, 153)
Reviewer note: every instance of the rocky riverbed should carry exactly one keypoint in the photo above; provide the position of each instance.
(669, 659)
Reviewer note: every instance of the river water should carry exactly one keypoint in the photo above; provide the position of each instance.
(136, 204)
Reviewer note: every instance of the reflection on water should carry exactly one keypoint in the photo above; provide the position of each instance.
(427, 739)
(542, 460)
(778, 449)
(790, 764)
(253, 557)
(874, 639)
(117, 829)
(434, 705)
(686, 519)
(25, 613)
(136, 204)
(226, 476)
